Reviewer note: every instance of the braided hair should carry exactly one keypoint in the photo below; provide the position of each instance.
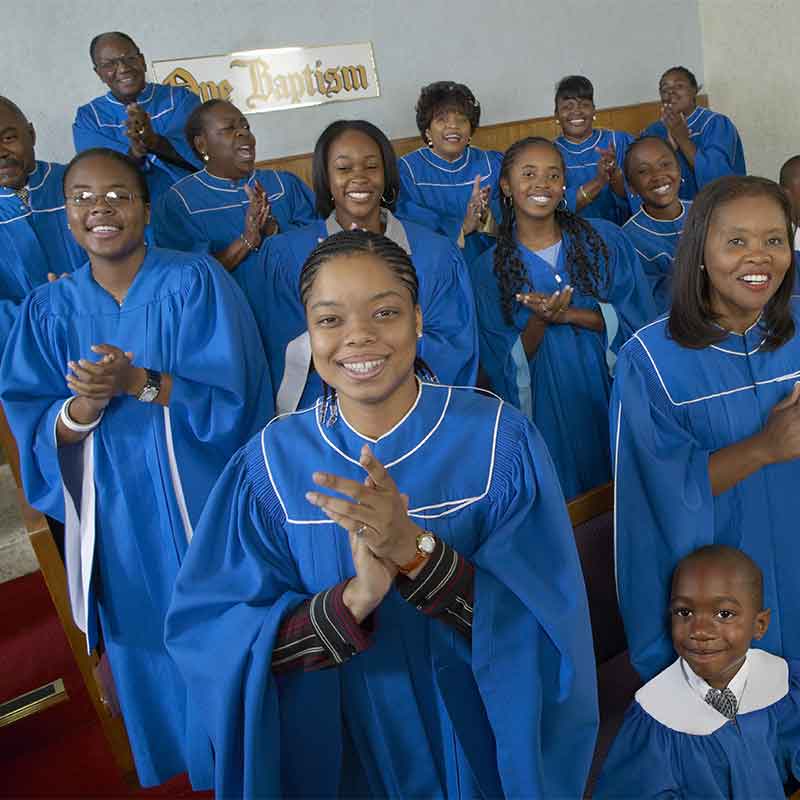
(355, 243)
(586, 252)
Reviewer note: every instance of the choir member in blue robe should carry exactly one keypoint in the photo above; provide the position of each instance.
(229, 208)
(541, 331)
(144, 120)
(35, 241)
(723, 721)
(707, 143)
(450, 186)
(166, 378)
(790, 181)
(355, 181)
(705, 424)
(593, 157)
(653, 173)
(439, 645)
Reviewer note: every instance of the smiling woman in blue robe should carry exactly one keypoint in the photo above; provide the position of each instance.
(391, 576)
(705, 419)
(165, 379)
(355, 182)
(542, 334)
(230, 208)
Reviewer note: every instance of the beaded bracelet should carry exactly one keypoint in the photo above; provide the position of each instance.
(251, 247)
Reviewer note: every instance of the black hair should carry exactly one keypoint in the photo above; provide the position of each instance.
(733, 557)
(577, 87)
(319, 163)
(360, 242)
(626, 165)
(789, 166)
(686, 72)
(93, 45)
(586, 252)
(446, 94)
(692, 322)
(12, 106)
(114, 155)
(196, 121)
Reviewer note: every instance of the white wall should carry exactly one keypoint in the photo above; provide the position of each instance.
(510, 52)
(750, 53)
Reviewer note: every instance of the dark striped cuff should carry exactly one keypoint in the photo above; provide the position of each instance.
(336, 628)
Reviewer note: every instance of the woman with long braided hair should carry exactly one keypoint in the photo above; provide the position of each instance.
(541, 330)
(390, 575)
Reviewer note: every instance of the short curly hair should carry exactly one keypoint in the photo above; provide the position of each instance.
(446, 94)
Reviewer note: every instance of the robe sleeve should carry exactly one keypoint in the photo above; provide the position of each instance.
(719, 151)
(788, 718)
(301, 201)
(87, 133)
(221, 388)
(664, 507)
(411, 206)
(33, 388)
(532, 652)
(641, 764)
(449, 330)
(235, 586)
(175, 228)
(627, 289)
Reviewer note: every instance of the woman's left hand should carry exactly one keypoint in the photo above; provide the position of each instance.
(550, 308)
(112, 375)
(377, 512)
(677, 128)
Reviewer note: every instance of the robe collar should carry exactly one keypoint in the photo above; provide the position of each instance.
(661, 227)
(144, 97)
(575, 148)
(36, 180)
(742, 344)
(223, 184)
(737, 684)
(442, 163)
(394, 228)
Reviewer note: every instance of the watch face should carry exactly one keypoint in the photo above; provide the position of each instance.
(427, 543)
(148, 394)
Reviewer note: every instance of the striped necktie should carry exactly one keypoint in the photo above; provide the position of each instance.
(24, 194)
(724, 700)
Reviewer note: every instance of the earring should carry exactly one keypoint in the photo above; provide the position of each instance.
(419, 334)
(469, 139)
(702, 266)
(205, 157)
(388, 202)
(563, 188)
(429, 141)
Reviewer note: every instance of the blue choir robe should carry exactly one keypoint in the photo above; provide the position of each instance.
(581, 160)
(449, 341)
(206, 213)
(131, 493)
(673, 744)
(101, 123)
(435, 192)
(655, 241)
(34, 240)
(719, 150)
(423, 712)
(671, 407)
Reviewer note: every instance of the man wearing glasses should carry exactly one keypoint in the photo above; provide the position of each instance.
(144, 120)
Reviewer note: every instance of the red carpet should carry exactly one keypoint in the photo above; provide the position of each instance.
(61, 751)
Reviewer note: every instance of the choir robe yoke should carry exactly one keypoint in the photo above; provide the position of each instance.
(422, 712)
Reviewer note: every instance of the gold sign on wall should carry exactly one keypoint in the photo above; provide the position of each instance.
(275, 80)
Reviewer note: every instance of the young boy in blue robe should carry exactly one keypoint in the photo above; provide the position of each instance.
(35, 241)
(229, 208)
(144, 120)
(723, 721)
(705, 421)
(165, 379)
(355, 171)
(449, 185)
(654, 175)
(422, 633)
(707, 143)
(593, 158)
(541, 331)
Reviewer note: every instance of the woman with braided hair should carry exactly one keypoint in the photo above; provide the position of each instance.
(542, 334)
(391, 576)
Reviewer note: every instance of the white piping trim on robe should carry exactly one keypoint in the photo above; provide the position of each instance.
(175, 475)
(295, 374)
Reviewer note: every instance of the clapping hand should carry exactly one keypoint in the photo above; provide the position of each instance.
(677, 128)
(607, 165)
(139, 131)
(477, 207)
(100, 381)
(549, 307)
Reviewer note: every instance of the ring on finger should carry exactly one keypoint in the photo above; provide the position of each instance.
(360, 530)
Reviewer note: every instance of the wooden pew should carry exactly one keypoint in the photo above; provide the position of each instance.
(632, 118)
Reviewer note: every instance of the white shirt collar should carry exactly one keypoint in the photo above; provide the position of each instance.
(736, 685)
(394, 228)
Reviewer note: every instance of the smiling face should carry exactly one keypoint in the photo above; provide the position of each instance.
(655, 175)
(363, 327)
(449, 132)
(109, 233)
(747, 255)
(535, 181)
(575, 115)
(356, 177)
(228, 141)
(121, 67)
(677, 92)
(17, 159)
(715, 615)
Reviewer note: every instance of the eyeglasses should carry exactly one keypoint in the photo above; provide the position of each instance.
(114, 63)
(114, 198)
